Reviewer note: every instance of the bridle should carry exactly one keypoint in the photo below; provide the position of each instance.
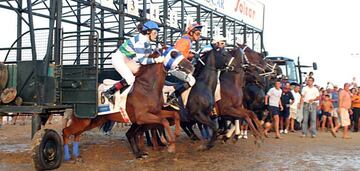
(248, 63)
(228, 65)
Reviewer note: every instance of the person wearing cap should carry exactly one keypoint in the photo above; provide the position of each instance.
(133, 53)
(183, 45)
(218, 43)
(193, 34)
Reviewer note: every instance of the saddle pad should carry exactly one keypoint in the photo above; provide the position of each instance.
(105, 107)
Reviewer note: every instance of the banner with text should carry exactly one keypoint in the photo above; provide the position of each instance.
(249, 11)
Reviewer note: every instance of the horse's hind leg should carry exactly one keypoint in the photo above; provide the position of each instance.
(76, 127)
(253, 116)
(131, 136)
(204, 119)
(154, 139)
(183, 125)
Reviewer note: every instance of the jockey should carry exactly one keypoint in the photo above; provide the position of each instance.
(184, 45)
(218, 43)
(131, 54)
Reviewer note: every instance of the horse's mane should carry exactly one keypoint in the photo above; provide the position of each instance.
(199, 66)
(143, 68)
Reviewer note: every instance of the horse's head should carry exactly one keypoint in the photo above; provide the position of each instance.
(254, 57)
(238, 56)
(224, 61)
(175, 60)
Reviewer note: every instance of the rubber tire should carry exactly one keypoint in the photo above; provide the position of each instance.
(38, 143)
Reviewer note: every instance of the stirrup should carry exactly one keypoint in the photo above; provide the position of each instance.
(173, 102)
(109, 96)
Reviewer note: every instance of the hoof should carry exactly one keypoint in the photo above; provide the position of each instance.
(202, 147)
(258, 143)
(163, 140)
(171, 148)
(236, 138)
(195, 138)
(224, 139)
(142, 156)
(177, 134)
(143, 153)
(78, 160)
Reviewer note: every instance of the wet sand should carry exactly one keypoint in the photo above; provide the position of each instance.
(102, 152)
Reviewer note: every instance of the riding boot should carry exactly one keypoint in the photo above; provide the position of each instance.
(173, 98)
(121, 86)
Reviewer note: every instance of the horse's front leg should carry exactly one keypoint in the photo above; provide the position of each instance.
(173, 115)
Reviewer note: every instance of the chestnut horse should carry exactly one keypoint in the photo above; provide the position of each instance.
(232, 84)
(143, 105)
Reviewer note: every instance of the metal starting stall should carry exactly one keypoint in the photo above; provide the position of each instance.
(63, 49)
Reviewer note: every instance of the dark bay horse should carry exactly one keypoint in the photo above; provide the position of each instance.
(201, 98)
(232, 84)
(260, 73)
(143, 105)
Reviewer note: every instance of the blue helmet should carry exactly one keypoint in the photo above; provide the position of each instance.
(150, 25)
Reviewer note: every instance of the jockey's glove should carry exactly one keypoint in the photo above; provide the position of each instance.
(160, 59)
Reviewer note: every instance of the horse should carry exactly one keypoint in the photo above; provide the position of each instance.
(232, 84)
(201, 97)
(259, 75)
(143, 105)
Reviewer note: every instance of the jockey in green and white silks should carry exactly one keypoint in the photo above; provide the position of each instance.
(133, 53)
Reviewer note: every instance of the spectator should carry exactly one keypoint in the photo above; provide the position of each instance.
(272, 99)
(309, 95)
(287, 99)
(345, 109)
(327, 107)
(311, 74)
(335, 99)
(318, 109)
(353, 83)
(295, 106)
(266, 122)
(356, 110)
(243, 129)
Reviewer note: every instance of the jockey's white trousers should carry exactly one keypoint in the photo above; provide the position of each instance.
(125, 66)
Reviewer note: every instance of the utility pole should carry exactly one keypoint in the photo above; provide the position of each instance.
(299, 70)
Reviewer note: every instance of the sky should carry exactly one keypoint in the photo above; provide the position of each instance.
(323, 31)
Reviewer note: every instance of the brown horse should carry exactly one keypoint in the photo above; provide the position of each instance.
(232, 84)
(143, 106)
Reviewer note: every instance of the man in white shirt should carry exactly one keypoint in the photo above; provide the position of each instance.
(310, 94)
(272, 99)
(295, 107)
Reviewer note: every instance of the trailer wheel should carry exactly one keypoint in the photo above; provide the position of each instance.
(47, 150)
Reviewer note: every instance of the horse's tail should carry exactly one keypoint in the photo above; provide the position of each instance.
(107, 126)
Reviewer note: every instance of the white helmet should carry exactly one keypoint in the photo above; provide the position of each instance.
(218, 38)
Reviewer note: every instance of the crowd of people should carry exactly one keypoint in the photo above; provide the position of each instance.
(312, 108)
